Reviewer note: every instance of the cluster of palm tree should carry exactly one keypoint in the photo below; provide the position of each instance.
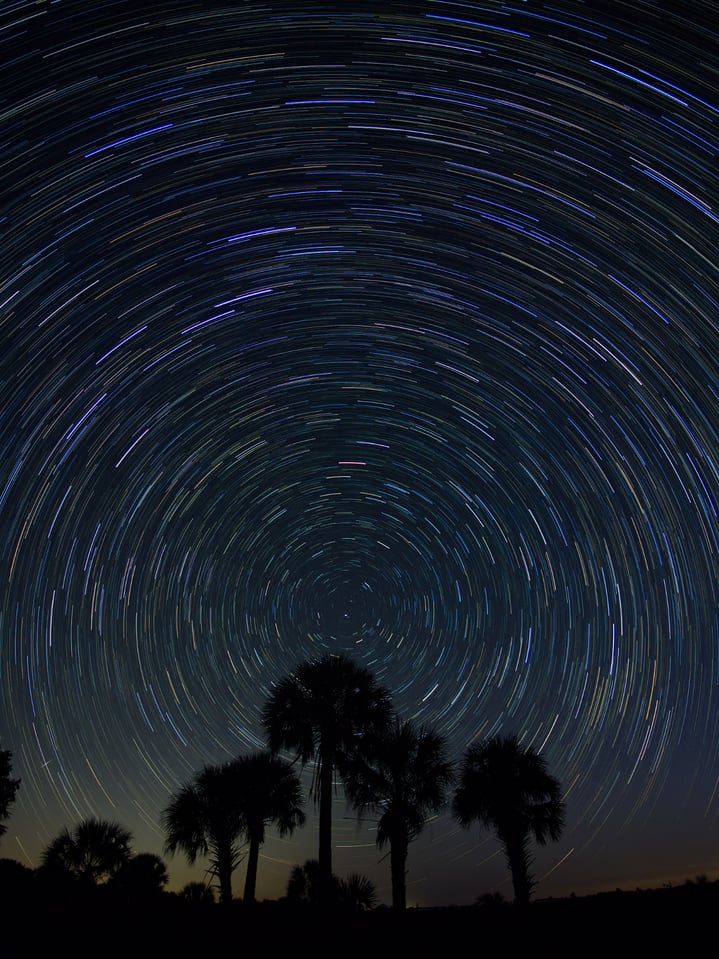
(331, 714)
(227, 805)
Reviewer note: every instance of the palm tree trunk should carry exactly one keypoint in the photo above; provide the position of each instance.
(325, 826)
(253, 857)
(224, 875)
(517, 857)
(398, 861)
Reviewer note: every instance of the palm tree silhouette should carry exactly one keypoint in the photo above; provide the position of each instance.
(269, 791)
(204, 818)
(507, 788)
(323, 712)
(403, 777)
(92, 852)
(358, 891)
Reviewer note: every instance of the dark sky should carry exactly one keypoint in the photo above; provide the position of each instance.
(385, 329)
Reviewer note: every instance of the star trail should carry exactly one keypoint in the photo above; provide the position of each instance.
(391, 330)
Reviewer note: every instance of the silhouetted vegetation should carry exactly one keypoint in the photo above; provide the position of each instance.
(77, 917)
(269, 792)
(402, 775)
(304, 887)
(140, 877)
(227, 804)
(324, 712)
(507, 788)
(330, 713)
(92, 852)
(8, 788)
(204, 818)
(197, 893)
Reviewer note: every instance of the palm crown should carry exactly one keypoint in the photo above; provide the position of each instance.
(508, 788)
(325, 711)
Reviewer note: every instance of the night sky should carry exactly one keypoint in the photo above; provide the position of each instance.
(382, 329)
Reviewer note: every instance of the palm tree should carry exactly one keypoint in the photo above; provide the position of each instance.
(507, 788)
(322, 712)
(204, 818)
(269, 791)
(358, 892)
(93, 852)
(404, 779)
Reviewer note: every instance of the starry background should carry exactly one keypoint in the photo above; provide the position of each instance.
(385, 329)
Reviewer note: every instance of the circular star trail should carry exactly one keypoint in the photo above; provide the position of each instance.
(393, 333)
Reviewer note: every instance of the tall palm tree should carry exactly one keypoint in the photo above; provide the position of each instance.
(403, 778)
(269, 791)
(323, 712)
(204, 818)
(92, 852)
(507, 787)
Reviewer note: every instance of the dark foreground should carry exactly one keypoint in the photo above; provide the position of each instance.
(673, 921)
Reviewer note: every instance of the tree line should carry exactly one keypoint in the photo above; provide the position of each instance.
(329, 714)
